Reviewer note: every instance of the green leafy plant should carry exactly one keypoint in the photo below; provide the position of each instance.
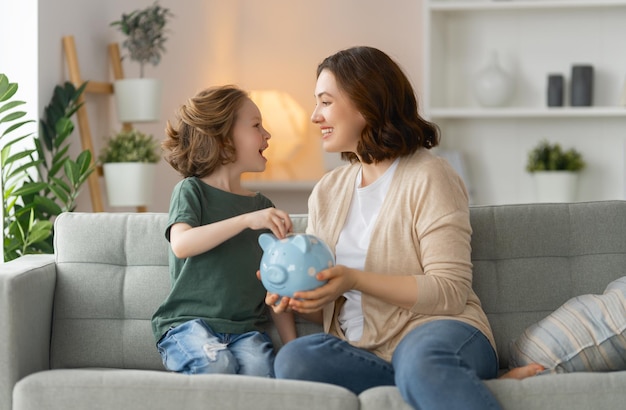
(130, 146)
(61, 175)
(20, 228)
(551, 157)
(41, 182)
(145, 31)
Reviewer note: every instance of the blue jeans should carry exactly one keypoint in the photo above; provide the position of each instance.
(194, 348)
(438, 365)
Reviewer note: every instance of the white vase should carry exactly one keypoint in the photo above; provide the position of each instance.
(555, 186)
(493, 87)
(129, 183)
(138, 99)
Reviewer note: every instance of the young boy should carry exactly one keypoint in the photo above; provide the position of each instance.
(211, 320)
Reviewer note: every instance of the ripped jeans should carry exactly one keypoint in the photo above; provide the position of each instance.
(194, 348)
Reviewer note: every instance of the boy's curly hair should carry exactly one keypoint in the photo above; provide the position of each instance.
(202, 140)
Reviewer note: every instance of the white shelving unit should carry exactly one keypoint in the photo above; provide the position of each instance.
(290, 196)
(519, 4)
(533, 38)
(262, 185)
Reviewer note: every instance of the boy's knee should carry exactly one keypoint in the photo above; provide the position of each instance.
(211, 350)
(216, 359)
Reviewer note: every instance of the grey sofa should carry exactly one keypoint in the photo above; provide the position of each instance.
(75, 330)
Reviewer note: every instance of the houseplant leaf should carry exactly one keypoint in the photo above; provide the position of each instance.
(34, 181)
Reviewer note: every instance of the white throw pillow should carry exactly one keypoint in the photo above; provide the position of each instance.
(587, 333)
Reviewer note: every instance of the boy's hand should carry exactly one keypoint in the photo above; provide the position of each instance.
(275, 220)
(274, 300)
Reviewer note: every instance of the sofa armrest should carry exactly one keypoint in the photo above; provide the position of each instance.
(26, 297)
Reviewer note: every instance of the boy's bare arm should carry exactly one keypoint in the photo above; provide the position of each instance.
(285, 324)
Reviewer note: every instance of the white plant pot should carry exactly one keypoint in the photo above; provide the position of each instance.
(555, 186)
(129, 183)
(138, 99)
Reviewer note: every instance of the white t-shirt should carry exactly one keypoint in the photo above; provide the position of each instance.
(354, 240)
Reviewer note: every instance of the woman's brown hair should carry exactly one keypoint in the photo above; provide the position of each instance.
(202, 140)
(384, 96)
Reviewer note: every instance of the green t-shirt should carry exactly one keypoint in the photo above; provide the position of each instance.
(219, 286)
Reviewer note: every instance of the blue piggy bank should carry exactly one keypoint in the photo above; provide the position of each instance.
(289, 265)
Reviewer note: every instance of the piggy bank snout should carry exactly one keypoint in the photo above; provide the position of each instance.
(276, 275)
(290, 265)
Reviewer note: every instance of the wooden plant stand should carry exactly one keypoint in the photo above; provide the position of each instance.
(69, 48)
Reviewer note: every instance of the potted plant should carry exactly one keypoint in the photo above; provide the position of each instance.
(555, 171)
(38, 183)
(145, 39)
(129, 163)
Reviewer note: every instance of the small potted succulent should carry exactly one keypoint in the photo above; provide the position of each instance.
(555, 171)
(129, 164)
(145, 38)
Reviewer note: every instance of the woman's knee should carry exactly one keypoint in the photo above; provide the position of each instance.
(443, 344)
(298, 357)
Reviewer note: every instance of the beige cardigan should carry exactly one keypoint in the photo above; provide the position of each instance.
(423, 230)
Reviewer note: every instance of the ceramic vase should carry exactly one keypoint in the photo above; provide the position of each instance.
(138, 99)
(555, 186)
(555, 90)
(129, 183)
(581, 93)
(493, 86)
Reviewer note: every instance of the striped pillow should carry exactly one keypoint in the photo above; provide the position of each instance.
(587, 333)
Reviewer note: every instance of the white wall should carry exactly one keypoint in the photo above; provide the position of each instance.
(19, 62)
(256, 44)
(253, 43)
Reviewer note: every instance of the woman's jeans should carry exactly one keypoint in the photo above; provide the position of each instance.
(438, 365)
(194, 348)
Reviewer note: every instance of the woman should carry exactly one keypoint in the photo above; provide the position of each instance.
(398, 308)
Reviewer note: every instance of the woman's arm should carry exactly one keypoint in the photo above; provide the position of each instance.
(187, 241)
(399, 290)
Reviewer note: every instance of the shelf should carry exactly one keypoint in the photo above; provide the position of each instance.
(531, 44)
(262, 186)
(533, 38)
(556, 112)
(484, 5)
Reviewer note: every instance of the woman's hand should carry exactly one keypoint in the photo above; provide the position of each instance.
(340, 280)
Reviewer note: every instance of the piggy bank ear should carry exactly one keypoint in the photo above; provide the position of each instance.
(266, 240)
(301, 242)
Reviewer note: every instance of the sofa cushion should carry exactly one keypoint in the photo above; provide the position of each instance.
(529, 259)
(587, 333)
(113, 389)
(112, 274)
(562, 392)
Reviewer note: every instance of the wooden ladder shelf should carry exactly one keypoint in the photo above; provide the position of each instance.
(69, 47)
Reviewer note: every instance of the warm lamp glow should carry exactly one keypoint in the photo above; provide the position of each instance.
(287, 122)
